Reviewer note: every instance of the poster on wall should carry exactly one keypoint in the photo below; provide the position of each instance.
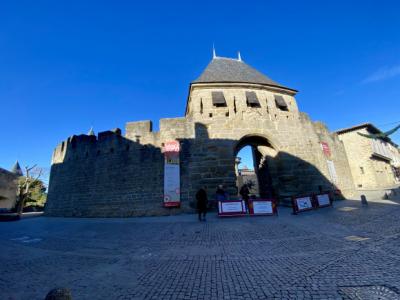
(325, 149)
(171, 174)
(332, 171)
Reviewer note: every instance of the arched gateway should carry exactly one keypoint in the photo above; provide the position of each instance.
(229, 106)
(263, 155)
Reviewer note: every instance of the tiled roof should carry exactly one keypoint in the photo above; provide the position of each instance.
(228, 70)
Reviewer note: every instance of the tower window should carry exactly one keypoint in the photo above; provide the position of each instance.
(218, 99)
(280, 103)
(252, 100)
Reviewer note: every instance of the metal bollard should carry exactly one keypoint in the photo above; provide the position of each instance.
(59, 294)
(364, 200)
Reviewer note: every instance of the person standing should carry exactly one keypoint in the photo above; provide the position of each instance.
(245, 192)
(202, 202)
(220, 194)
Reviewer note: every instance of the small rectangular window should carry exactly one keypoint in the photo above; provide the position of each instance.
(218, 99)
(252, 100)
(280, 103)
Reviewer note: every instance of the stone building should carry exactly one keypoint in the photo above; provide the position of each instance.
(229, 106)
(374, 163)
(8, 187)
(249, 177)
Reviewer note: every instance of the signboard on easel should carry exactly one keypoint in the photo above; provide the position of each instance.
(171, 174)
(323, 200)
(302, 203)
(231, 208)
(262, 207)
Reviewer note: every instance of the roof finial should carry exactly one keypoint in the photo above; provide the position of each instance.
(239, 57)
(91, 132)
(214, 54)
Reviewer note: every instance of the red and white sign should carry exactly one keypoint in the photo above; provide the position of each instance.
(262, 207)
(323, 200)
(231, 208)
(171, 174)
(171, 146)
(326, 149)
(302, 204)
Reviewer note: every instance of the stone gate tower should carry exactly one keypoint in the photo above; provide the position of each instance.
(231, 105)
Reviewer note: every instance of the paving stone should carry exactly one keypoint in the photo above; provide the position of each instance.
(288, 257)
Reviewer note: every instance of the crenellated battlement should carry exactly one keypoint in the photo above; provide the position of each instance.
(86, 146)
(137, 134)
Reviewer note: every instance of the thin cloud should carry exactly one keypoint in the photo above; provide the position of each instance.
(383, 74)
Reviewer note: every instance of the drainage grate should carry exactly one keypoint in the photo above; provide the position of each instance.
(371, 292)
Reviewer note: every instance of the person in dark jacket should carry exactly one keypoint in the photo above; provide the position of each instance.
(245, 193)
(220, 194)
(202, 202)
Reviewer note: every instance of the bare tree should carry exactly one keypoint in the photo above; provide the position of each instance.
(24, 188)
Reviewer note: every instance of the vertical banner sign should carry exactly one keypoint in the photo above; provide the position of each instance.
(332, 171)
(171, 174)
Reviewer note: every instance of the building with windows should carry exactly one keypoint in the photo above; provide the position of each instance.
(248, 176)
(374, 163)
(229, 106)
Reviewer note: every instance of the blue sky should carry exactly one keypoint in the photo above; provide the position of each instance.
(68, 65)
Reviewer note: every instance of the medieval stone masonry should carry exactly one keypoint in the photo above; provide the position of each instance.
(231, 105)
(374, 163)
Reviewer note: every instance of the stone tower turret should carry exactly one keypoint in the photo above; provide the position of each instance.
(16, 169)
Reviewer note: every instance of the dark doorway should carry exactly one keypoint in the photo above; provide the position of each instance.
(254, 161)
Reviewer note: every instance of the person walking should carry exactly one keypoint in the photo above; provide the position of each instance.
(202, 202)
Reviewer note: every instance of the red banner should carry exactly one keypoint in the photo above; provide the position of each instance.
(325, 148)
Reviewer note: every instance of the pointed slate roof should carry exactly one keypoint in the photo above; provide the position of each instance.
(222, 69)
(16, 169)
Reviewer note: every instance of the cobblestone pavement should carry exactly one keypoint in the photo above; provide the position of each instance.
(344, 252)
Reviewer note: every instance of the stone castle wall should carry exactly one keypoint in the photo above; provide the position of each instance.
(115, 175)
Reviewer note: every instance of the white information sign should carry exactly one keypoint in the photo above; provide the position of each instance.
(171, 174)
(323, 200)
(303, 203)
(332, 171)
(171, 183)
(262, 207)
(231, 207)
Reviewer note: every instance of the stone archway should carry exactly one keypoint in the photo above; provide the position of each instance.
(263, 153)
